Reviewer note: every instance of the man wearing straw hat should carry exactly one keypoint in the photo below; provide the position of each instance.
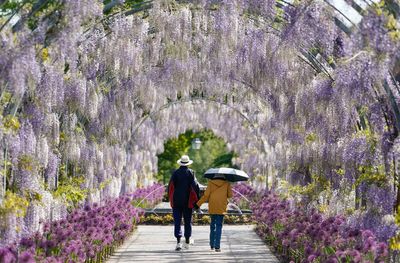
(183, 192)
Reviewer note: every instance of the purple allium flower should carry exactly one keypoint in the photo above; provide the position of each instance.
(6, 255)
(26, 257)
(26, 242)
(311, 258)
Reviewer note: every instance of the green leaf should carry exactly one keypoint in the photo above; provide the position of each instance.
(329, 250)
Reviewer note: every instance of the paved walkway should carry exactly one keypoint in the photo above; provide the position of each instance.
(156, 244)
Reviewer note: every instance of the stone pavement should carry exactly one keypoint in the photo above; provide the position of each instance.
(155, 243)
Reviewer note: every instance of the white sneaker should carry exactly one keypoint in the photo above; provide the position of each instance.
(178, 247)
(186, 245)
(191, 241)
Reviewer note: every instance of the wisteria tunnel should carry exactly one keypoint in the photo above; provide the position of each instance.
(306, 93)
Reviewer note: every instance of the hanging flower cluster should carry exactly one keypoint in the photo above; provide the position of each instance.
(92, 95)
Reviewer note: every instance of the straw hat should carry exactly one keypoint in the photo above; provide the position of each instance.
(184, 161)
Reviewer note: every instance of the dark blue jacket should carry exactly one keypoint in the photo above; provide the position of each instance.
(183, 189)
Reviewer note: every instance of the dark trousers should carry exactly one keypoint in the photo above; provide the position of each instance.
(178, 212)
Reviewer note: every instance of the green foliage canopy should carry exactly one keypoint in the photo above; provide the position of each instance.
(213, 153)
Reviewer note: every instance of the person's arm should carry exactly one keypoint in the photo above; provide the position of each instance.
(205, 197)
(195, 185)
(171, 189)
(193, 190)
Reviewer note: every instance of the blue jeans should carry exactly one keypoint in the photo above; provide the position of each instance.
(216, 230)
(178, 212)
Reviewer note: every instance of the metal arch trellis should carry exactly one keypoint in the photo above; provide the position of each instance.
(254, 130)
(148, 4)
(314, 62)
(191, 100)
(309, 58)
(145, 5)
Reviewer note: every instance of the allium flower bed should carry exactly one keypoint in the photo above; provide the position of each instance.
(301, 237)
(87, 234)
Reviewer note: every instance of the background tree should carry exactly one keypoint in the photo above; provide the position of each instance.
(213, 153)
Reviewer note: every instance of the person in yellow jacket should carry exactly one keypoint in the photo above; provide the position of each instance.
(217, 193)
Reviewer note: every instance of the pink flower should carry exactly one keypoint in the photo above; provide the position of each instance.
(311, 258)
(285, 242)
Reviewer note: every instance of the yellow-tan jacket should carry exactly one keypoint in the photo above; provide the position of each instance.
(217, 193)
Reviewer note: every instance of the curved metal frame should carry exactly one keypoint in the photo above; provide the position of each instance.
(240, 211)
(141, 201)
(189, 100)
(165, 185)
(262, 143)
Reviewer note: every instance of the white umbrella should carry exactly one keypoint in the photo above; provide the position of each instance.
(230, 174)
